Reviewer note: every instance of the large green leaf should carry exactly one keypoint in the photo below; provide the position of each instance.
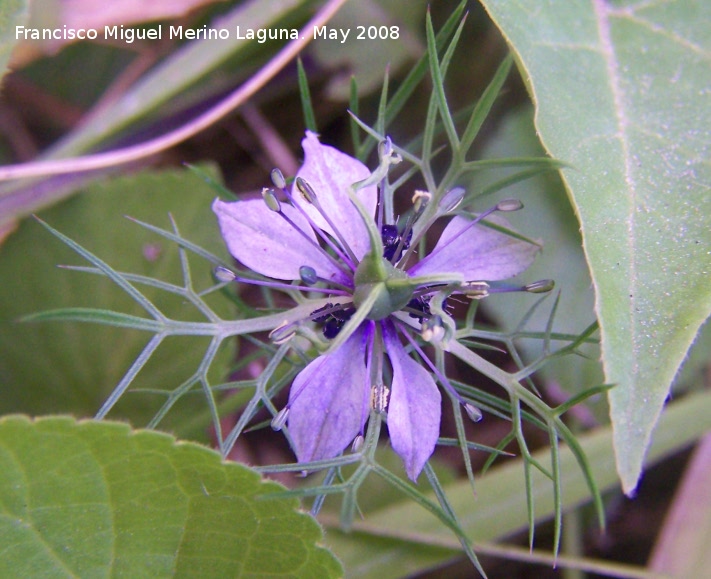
(12, 13)
(70, 367)
(622, 93)
(546, 216)
(95, 499)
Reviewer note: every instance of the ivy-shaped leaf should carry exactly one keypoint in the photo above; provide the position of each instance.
(90, 499)
(622, 94)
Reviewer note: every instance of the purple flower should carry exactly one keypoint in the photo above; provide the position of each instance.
(327, 235)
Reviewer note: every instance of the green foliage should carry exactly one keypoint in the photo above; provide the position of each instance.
(619, 91)
(396, 540)
(70, 367)
(90, 499)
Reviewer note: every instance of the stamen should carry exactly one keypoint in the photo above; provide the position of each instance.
(278, 179)
(270, 199)
(393, 243)
(283, 333)
(223, 274)
(451, 199)
(440, 377)
(420, 200)
(509, 205)
(358, 443)
(504, 206)
(475, 290)
(349, 266)
(537, 287)
(540, 287)
(333, 318)
(379, 396)
(311, 197)
(348, 269)
(279, 420)
(432, 330)
(474, 413)
(308, 275)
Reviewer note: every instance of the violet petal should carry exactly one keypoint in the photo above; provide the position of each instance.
(480, 253)
(264, 242)
(330, 173)
(414, 411)
(326, 401)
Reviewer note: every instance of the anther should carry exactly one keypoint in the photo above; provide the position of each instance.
(420, 200)
(306, 190)
(385, 148)
(473, 412)
(452, 199)
(278, 179)
(222, 274)
(386, 151)
(432, 330)
(379, 398)
(279, 420)
(509, 205)
(270, 199)
(475, 290)
(358, 443)
(539, 287)
(283, 333)
(308, 275)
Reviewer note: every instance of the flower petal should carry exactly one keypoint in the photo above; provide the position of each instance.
(330, 173)
(326, 401)
(415, 409)
(263, 241)
(480, 253)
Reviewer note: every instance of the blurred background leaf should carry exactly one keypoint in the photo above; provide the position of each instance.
(12, 14)
(72, 367)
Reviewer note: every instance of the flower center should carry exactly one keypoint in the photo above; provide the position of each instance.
(393, 286)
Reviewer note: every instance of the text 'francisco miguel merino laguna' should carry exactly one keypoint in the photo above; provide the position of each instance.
(130, 35)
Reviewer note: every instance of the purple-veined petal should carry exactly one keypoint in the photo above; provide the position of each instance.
(264, 242)
(330, 173)
(414, 411)
(480, 253)
(326, 401)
